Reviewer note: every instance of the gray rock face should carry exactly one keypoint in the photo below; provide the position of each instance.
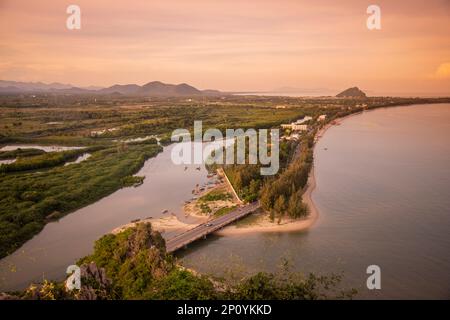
(94, 283)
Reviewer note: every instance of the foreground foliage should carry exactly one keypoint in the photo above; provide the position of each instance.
(29, 200)
(45, 160)
(134, 265)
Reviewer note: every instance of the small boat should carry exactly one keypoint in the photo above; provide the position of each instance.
(325, 149)
(198, 168)
(165, 211)
(135, 220)
(185, 168)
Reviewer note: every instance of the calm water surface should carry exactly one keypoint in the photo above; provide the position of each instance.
(62, 243)
(383, 191)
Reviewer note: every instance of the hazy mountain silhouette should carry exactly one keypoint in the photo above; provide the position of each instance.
(30, 86)
(154, 88)
(354, 92)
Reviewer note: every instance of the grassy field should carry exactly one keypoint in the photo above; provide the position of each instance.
(30, 199)
(78, 120)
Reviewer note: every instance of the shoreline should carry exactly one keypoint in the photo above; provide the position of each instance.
(264, 225)
(287, 225)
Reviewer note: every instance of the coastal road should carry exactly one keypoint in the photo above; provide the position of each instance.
(208, 227)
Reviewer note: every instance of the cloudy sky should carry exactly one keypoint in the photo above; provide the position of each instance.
(231, 45)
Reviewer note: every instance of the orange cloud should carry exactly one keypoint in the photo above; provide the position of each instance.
(230, 45)
(443, 71)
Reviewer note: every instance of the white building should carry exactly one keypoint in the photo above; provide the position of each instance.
(299, 127)
(322, 117)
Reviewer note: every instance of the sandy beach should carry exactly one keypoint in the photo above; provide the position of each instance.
(170, 226)
(263, 223)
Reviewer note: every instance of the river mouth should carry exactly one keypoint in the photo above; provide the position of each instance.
(386, 204)
(383, 181)
(165, 190)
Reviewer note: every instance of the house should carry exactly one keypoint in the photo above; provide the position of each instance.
(299, 127)
(322, 117)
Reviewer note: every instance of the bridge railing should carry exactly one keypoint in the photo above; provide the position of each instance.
(252, 207)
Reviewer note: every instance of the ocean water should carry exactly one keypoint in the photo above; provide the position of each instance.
(383, 192)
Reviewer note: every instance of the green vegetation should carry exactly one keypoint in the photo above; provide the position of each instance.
(146, 141)
(46, 160)
(205, 208)
(29, 200)
(224, 210)
(101, 124)
(78, 119)
(283, 194)
(246, 179)
(215, 195)
(20, 153)
(134, 265)
(132, 181)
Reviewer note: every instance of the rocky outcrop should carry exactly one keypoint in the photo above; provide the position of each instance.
(354, 92)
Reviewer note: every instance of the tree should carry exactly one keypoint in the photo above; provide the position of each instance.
(279, 207)
(296, 208)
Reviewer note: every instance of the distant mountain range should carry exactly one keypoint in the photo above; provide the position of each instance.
(32, 86)
(151, 89)
(154, 88)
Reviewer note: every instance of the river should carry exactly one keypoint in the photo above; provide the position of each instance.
(383, 192)
(166, 187)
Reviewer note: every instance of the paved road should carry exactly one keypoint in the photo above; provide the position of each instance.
(208, 227)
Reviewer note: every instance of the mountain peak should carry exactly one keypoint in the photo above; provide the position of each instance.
(153, 88)
(353, 92)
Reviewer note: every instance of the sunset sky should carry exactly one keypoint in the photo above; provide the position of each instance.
(231, 45)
